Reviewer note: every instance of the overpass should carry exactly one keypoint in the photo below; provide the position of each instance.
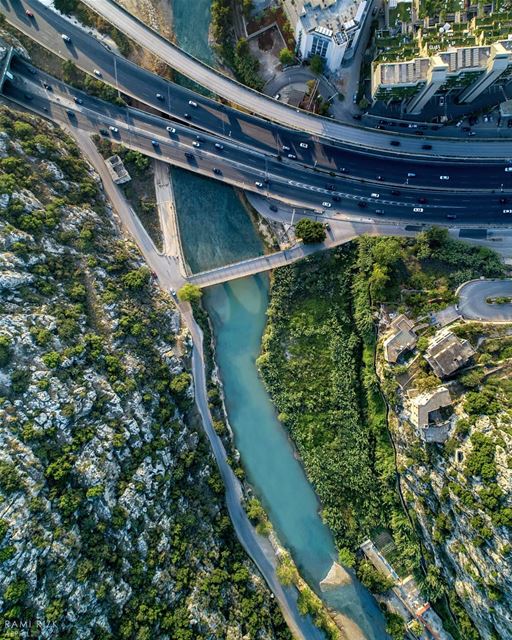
(288, 182)
(333, 138)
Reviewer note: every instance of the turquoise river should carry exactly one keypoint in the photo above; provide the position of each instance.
(216, 230)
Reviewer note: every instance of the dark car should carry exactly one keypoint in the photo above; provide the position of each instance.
(362, 205)
(395, 192)
(27, 96)
(273, 208)
(379, 212)
(426, 146)
(71, 114)
(188, 116)
(155, 143)
(159, 96)
(47, 86)
(380, 178)
(422, 200)
(466, 129)
(189, 155)
(395, 143)
(103, 132)
(503, 200)
(336, 199)
(216, 171)
(344, 170)
(357, 116)
(330, 187)
(78, 100)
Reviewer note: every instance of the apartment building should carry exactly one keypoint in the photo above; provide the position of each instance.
(328, 28)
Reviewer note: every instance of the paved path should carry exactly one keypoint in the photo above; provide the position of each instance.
(167, 269)
(168, 215)
(472, 300)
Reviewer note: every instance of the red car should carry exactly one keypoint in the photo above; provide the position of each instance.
(29, 13)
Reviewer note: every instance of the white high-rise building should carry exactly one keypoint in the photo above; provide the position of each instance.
(328, 28)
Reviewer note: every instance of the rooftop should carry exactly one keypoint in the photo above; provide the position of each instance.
(330, 17)
(447, 353)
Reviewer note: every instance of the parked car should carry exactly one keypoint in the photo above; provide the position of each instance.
(159, 96)
(171, 129)
(97, 73)
(66, 38)
(114, 129)
(78, 100)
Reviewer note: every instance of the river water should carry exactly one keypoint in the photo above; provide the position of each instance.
(216, 230)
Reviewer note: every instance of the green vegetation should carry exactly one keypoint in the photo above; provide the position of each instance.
(190, 293)
(317, 64)
(320, 315)
(235, 54)
(310, 231)
(286, 57)
(113, 478)
(373, 579)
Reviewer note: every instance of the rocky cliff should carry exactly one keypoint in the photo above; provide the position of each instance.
(112, 522)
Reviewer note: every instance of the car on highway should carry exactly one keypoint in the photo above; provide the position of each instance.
(273, 208)
(187, 116)
(357, 116)
(507, 169)
(507, 210)
(192, 103)
(155, 143)
(344, 170)
(426, 146)
(195, 143)
(292, 156)
(418, 210)
(380, 178)
(395, 143)
(189, 155)
(29, 13)
(354, 98)
(286, 148)
(113, 129)
(422, 200)
(66, 38)
(159, 96)
(362, 205)
(395, 192)
(375, 195)
(330, 187)
(304, 145)
(326, 204)
(47, 86)
(216, 171)
(503, 200)
(444, 177)
(451, 216)
(71, 114)
(259, 185)
(28, 97)
(336, 199)
(78, 100)
(411, 174)
(277, 96)
(171, 129)
(379, 212)
(97, 73)
(219, 146)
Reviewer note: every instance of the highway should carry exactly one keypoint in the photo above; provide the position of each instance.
(250, 170)
(363, 150)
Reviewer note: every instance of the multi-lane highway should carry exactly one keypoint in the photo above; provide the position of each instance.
(224, 160)
(362, 146)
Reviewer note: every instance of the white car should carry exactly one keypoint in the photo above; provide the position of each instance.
(375, 195)
(444, 177)
(218, 145)
(285, 148)
(507, 210)
(97, 73)
(259, 185)
(418, 209)
(413, 126)
(114, 129)
(411, 175)
(507, 169)
(171, 129)
(292, 156)
(192, 103)
(196, 143)
(304, 145)
(326, 204)
(65, 38)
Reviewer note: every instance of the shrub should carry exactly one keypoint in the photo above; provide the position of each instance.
(137, 278)
(5, 350)
(310, 231)
(190, 293)
(373, 579)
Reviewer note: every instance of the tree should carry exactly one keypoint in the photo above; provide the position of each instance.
(346, 557)
(5, 350)
(247, 7)
(373, 579)
(310, 231)
(190, 293)
(286, 57)
(317, 64)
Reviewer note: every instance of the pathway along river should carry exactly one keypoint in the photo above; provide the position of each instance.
(216, 230)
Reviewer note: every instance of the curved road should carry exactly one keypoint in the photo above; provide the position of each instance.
(269, 108)
(363, 146)
(472, 300)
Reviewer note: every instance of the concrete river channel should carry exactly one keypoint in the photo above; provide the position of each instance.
(216, 230)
